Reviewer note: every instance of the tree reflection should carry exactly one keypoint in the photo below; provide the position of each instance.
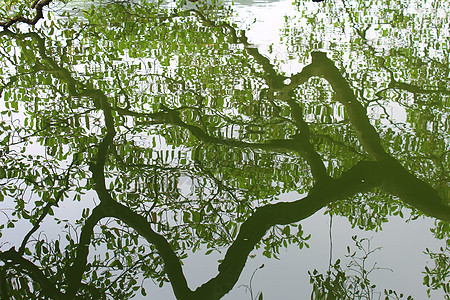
(187, 134)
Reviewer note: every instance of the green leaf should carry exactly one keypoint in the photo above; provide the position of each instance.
(116, 264)
(196, 216)
(286, 230)
(186, 217)
(143, 292)
(129, 261)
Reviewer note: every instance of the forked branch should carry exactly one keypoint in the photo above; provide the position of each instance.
(37, 5)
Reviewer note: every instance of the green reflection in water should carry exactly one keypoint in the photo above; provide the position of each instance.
(175, 134)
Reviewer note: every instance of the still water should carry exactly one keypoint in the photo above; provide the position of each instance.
(246, 150)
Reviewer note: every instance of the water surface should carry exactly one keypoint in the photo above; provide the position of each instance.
(206, 151)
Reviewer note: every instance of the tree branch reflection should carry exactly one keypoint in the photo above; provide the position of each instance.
(114, 162)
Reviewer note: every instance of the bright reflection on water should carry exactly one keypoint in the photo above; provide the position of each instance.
(311, 138)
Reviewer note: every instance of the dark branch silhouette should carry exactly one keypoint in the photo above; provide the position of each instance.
(38, 5)
(383, 172)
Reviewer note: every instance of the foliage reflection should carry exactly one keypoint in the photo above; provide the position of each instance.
(187, 135)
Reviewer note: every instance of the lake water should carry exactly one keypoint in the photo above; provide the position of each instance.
(245, 150)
